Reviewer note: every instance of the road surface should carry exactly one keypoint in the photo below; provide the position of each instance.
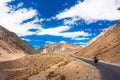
(107, 71)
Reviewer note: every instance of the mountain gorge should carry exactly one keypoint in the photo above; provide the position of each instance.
(106, 45)
(11, 46)
(17, 63)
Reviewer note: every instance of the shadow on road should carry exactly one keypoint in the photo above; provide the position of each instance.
(108, 71)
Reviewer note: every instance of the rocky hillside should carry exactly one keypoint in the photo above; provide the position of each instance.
(47, 67)
(106, 45)
(58, 47)
(11, 46)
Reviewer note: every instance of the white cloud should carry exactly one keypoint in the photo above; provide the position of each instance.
(92, 10)
(12, 18)
(41, 20)
(36, 47)
(60, 31)
(53, 31)
(73, 35)
(25, 39)
(72, 21)
(49, 42)
(81, 38)
(20, 5)
(81, 44)
(37, 40)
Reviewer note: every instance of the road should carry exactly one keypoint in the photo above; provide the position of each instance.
(107, 71)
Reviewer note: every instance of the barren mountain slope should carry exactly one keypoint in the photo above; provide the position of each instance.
(58, 47)
(106, 46)
(21, 68)
(11, 46)
(68, 70)
(47, 67)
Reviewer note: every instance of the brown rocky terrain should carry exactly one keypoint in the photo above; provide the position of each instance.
(58, 47)
(106, 45)
(47, 67)
(68, 70)
(11, 46)
(21, 68)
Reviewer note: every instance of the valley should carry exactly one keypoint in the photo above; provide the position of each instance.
(61, 61)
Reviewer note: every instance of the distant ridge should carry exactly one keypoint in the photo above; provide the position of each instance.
(57, 47)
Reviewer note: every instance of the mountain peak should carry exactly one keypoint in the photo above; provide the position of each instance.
(59, 47)
(62, 42)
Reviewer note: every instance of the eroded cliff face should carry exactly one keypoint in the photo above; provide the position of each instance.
(11, 46)
(58, 47)
(106, 45)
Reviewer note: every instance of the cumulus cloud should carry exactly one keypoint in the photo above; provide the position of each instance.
(25, 39)
(72, 21)
(81, 38)
(73, 35)
(49, 42)
(20, 5)
(53, 31)
(12, 18)
(91, 10)
(61, 31)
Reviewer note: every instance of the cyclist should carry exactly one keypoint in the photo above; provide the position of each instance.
(96, 59)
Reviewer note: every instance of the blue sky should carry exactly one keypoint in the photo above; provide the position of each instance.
(41, 22)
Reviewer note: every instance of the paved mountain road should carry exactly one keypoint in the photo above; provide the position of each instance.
(108, 71)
